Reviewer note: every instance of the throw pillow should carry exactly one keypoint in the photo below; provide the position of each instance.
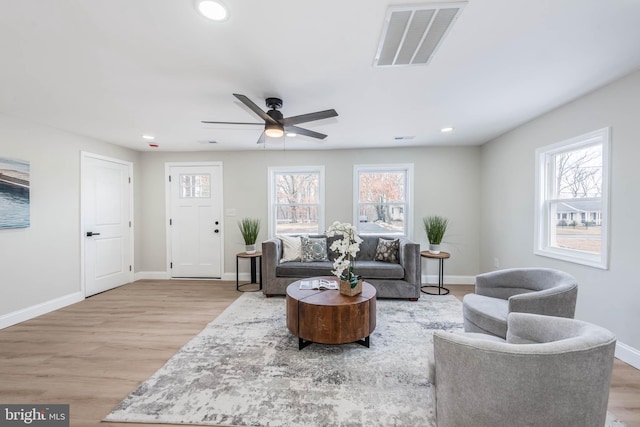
(291, 248)
(314, 249)
(387, 251)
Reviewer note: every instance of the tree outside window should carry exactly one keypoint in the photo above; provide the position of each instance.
(572, 202)
(578, 193)
(296, 200)
(382, 199)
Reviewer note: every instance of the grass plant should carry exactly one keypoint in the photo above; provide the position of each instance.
(435, 226)
(249, 227)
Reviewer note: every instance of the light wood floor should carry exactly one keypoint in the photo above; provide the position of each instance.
(94, 353)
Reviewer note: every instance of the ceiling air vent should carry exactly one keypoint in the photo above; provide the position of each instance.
(412, 34)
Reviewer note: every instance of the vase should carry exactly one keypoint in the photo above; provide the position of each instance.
(346, 289)
(250, 249)
(434, 249)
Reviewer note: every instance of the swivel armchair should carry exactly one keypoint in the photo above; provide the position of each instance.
(524, 290)
(550, 371)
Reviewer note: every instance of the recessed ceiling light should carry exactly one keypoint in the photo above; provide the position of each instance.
(213, 10)
(148, 137)
(445, 130)
(291, 134)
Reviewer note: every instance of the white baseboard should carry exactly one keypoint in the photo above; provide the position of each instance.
(232, 276)
(242, 277)
(449, 280)
(24, 314)
(628, 354)
(152, 275)
(165, 275)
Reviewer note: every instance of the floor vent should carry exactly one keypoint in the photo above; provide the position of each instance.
(412, 34)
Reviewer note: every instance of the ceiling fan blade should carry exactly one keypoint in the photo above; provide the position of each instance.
(305, 132)
(261, 139)
(249, 103)
(230, 123)
(303, 118)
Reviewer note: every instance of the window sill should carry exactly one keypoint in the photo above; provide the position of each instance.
(576, 257)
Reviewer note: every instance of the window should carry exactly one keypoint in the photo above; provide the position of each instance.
(195, 186)
(382, 201)
(296, 200)
(572, 199)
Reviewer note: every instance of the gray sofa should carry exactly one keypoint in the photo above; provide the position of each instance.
(401, 280)
(550, 371)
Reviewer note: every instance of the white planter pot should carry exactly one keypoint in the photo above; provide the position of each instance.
(250, 249)
(434, 249)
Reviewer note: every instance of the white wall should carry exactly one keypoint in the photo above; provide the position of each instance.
(445, 183)
(610, 298)
(40, 265)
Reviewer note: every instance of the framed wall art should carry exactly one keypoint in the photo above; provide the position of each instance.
(14, 193)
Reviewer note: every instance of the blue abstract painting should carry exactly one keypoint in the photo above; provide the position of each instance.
(14, 193)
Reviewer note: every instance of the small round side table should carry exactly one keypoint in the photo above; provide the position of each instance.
(440, 257)
(251, 257)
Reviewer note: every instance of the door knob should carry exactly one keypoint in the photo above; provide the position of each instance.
(91, 233)
(216, 231)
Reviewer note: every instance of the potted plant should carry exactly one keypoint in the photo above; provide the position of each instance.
(249, 227)
(343, 266)
(435, 226)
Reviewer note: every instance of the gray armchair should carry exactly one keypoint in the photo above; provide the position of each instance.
(550, 371)
(523, 290)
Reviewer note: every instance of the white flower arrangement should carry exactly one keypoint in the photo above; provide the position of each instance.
(347, 247)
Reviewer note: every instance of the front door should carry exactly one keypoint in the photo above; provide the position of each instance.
(195, 220)
(106, 223)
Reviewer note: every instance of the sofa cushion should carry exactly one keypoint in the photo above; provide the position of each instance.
(487, 313)
(291, 248)
(304, 269)
(379, 270)
(314, 249)
(387, 251)
(365, 269)
(368, 248)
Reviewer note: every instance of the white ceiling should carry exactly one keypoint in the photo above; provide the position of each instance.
(114, 70)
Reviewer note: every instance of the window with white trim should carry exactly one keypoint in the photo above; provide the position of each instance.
(296, 200)
(572, 179)
(382, 200)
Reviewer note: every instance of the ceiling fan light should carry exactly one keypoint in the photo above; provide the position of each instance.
(213, 10)
(273, 130)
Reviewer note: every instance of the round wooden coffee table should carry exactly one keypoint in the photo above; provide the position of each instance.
(328, 317)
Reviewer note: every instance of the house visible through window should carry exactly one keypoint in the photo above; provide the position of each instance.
(296, 197)
(572, 199)
(382, 201)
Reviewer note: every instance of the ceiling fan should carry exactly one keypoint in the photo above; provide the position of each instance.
(275, 124)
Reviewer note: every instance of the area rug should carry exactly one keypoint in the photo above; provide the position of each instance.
(245, 369)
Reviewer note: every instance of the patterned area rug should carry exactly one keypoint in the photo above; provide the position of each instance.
(245, 369)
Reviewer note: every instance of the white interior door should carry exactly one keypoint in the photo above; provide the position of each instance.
(195, 221)
(106, 222)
